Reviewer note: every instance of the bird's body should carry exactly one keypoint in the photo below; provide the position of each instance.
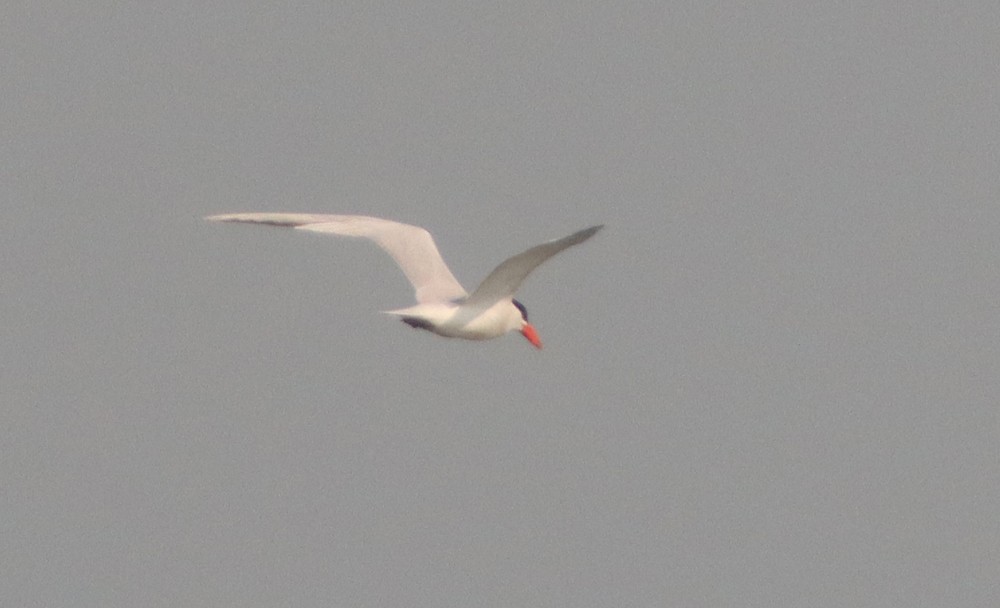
(443, 306)
(453, 320)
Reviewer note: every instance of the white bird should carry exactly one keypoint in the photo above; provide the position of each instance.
(443, 306)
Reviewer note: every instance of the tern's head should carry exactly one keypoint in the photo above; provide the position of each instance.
(527, 330)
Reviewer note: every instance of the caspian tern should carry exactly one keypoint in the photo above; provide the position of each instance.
(443, 306)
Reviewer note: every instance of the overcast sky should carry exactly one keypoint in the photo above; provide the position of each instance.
(772, 380)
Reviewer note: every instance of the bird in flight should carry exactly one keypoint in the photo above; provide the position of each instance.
(443, 306)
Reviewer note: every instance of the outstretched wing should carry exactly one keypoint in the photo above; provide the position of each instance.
(411, 247)
(508, 276)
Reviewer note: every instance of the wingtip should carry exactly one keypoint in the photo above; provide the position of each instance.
(586, 233)
(272, 219)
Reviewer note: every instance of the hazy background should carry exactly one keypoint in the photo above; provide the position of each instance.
(772, 380)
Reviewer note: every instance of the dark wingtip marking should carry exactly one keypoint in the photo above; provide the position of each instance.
(416, 323)
(239, 218)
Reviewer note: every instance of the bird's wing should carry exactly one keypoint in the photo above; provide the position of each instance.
(508, 276)
(412, 247)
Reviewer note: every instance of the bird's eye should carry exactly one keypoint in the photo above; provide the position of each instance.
(524, 311)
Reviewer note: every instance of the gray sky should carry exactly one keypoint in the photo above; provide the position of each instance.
(772, 380)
